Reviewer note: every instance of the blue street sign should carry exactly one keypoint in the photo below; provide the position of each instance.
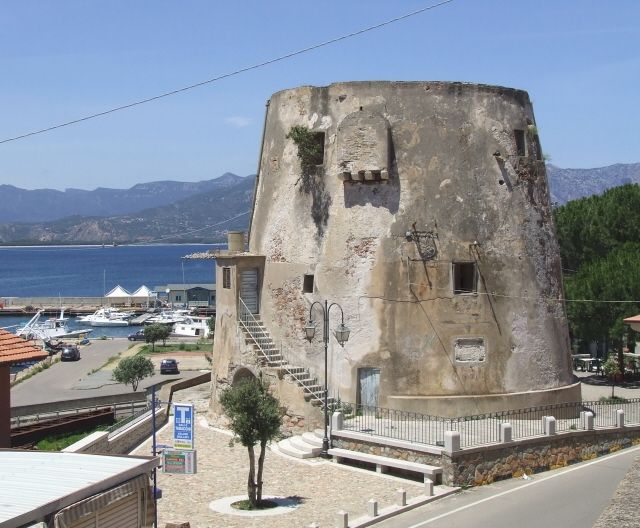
(183, 416)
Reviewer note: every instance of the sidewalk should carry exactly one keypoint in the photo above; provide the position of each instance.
(595, 386)
(324, 487)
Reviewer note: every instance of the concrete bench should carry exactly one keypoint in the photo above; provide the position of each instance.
(433, 473)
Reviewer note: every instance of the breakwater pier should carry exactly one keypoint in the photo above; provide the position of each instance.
(17, 306)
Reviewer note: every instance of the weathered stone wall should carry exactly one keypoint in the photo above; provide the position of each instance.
(416, 176)
(486, 465)
(122, 443)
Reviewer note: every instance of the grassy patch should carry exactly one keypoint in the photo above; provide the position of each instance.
(59, 442)
(44, 365)
(246, 505)
(200, 346)
(614, 399)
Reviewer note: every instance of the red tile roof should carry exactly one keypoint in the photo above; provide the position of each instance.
(14, 349)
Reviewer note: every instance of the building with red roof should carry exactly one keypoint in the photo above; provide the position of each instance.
(13, 349)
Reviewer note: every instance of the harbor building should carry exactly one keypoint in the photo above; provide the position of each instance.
(189, 295)
(422, 209)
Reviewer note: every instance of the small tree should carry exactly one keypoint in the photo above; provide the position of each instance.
(156, 332)
(132, 370)
(255, 418)
(611, 369)
(211, 323)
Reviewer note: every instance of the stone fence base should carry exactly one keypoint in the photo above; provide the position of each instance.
(485, 464)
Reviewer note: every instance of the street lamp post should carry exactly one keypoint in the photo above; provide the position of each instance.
(342, 336)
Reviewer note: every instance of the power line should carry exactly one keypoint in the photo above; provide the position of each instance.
(493, 294)
(229, 74)
(188, 232)
(145, 243)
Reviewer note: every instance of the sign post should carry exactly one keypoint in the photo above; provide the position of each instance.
(183, 426)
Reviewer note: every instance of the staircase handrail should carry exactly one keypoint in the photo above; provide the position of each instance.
(245, 312)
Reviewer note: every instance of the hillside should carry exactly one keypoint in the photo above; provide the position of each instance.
(181, 221)
(42, 205)
(178, 211)
(571, 184)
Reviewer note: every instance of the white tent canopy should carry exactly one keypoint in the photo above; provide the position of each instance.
(118, 292)
(142, 292)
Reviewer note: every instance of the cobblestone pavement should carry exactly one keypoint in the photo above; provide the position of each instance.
(324, 487)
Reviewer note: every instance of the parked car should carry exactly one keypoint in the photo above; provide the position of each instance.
(138, 336)
(70, 353)
(169, 366)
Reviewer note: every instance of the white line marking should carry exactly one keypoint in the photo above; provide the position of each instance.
(537, 481)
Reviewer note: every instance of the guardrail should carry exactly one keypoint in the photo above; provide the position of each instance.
(262, 339)
(483, 429)
(132, 420)
(121, 410)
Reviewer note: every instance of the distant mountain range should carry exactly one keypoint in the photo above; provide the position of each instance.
(193, 211)
(571, 184)
(41, 205)
(191, 219)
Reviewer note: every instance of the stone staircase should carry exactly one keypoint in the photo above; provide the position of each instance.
(257, 336)
(307, 445)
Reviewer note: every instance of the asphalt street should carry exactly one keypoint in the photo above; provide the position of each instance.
(572, 497)
(69, 380)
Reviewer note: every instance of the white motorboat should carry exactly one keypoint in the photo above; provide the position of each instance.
(192, 326)
(168, 317)
(105, 317)
(52, 328)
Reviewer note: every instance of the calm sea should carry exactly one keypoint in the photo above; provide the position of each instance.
(90, 271)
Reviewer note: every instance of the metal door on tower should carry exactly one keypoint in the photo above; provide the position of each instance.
(249, 289)
(368, 386)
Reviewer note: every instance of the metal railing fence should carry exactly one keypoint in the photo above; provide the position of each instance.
(133, 419)
(483, 429)
(121, 410)
(268, 350)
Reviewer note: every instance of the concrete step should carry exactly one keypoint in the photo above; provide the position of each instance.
(314, 389)
(300, 443)
(285, 446)
(312, 438)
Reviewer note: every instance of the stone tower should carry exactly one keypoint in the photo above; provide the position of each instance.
(422, 209)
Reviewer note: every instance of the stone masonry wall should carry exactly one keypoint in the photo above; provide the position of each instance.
(487, 464)
(484, 466)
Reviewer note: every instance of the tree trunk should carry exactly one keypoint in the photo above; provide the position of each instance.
(263, 447)
(251, 481)
(613, 385)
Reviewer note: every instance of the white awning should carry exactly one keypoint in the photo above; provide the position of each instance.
(118, 291)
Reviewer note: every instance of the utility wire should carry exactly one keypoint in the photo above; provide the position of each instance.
(147, 242)
(230, 74)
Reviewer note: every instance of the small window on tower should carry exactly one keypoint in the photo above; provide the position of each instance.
(307, 284)
(226, 278)
(318, 148)
(521, 146)
(464, 277)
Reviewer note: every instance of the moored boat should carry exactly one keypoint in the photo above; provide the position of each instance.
(105, 317)
(192, 326)
(52, 328)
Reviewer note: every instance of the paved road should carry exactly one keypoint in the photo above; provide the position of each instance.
(572, 497)
(68, 380)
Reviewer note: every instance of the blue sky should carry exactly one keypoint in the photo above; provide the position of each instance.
(579, 61)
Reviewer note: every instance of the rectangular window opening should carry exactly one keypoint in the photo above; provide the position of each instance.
(464, 277)
(318, 150)
(307, 284)
(226, 278)
(521, 146)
